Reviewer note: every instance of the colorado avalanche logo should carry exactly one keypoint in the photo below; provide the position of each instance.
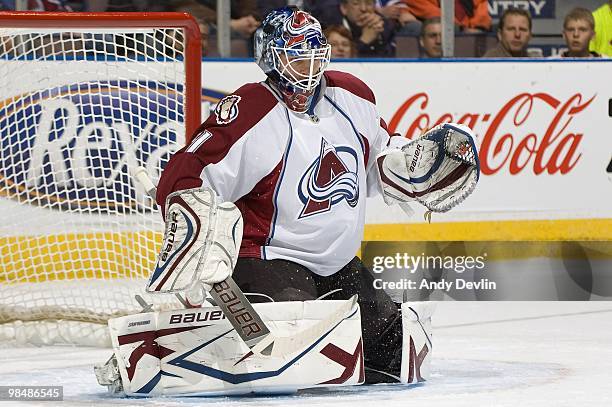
(329, 180)
(227, 109)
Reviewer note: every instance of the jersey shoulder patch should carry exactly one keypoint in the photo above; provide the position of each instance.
(350, 83)
(227, 109)
(237, 112)
(248, 105)
(233, 117)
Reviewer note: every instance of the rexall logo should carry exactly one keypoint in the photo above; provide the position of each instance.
(73, 146)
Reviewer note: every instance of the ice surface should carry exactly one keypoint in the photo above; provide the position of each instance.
(518, 354)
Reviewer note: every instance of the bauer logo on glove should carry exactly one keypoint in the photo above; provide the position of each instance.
(439, 169)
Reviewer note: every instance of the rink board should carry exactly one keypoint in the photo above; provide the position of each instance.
(543, 146)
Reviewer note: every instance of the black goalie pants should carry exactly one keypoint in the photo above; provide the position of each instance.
(381, 320)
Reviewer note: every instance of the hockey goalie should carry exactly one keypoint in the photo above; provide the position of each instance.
(270, 196)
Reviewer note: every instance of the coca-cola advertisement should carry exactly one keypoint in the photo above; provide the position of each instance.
(514, 152)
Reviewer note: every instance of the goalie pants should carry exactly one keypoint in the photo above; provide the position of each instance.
(381, 320)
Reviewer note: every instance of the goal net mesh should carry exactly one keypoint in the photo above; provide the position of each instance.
(80, 108)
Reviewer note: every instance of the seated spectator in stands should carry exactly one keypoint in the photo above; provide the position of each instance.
(125, 5)
(374, 35)
(513, 34)
(326, 11)
(244, 16)
(431, 38)
(471, 16)
(405, 22)
(602, 43)
(198, 12)
(204, 35)
(341, 41)
(578, 30)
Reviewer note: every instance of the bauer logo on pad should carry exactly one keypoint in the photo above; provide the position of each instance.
(71, 146)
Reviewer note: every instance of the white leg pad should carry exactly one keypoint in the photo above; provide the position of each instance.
(197, 352)
(417, 341)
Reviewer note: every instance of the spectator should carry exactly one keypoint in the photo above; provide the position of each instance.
(513, 34)
(398, 12)
(341, 41)
(125, 5)
(602, 42)
(198, 12)
(244, 16)
(578, 30)
(431, 38)
(471, 16)
(326, 11)
(374, 35)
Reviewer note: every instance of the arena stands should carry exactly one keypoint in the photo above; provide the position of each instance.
(546, 40)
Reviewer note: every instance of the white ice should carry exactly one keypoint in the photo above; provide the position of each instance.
(518, 354)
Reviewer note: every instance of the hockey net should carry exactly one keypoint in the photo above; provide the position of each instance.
(83, 99)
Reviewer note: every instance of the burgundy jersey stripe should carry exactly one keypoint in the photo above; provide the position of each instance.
(366, 150)
(351, 83)
(255, 102)
(181, 172)
(184, 169)
(257, 208)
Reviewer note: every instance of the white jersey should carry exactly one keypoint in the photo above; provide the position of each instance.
(300, 181)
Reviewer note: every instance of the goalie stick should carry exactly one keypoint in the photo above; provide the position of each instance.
(243, 317)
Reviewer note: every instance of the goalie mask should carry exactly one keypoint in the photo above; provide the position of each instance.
(293, 52)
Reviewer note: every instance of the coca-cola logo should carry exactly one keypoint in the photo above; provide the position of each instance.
(73, 146)
(515, 138)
